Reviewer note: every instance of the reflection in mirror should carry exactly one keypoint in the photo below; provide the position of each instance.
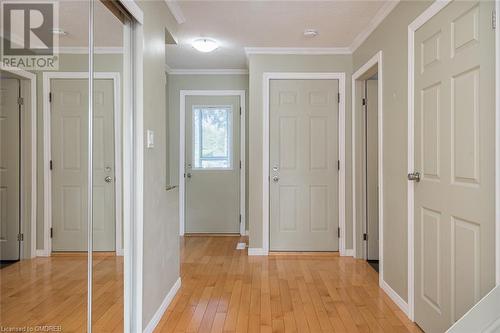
(43, 184)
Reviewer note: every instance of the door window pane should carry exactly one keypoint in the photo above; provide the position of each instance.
(212, 130)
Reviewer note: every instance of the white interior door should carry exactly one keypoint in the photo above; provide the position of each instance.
(371, 123)
(9, 169)
(303, 165)
(69, 127)
(455, 155)
(212, 170)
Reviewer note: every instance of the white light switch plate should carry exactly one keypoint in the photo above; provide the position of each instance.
(150, 139)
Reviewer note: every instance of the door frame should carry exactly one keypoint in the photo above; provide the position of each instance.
(376, 60)
(267, 77)
(28, 82)
(182, 151)
(47, 151)
(423, 18)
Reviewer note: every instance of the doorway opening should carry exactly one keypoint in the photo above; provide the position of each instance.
(367, 176)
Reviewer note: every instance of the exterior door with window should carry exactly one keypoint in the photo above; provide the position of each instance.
(212, 170)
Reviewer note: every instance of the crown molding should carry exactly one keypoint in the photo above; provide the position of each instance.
(382, 13)
(85, 50)
(173, 71)
(176, 11)
(297, 50)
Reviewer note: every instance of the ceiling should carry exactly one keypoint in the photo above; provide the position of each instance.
(270, 24)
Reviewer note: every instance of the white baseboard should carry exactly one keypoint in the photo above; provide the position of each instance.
(42, 253)
(120, 252)
(395, 297)
(348, 253)
(257, 251)
(164, 305)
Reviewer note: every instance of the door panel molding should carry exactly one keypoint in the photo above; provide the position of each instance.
(267, 77)
(47, 187)
(182, 151)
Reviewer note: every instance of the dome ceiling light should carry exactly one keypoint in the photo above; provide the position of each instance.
(205, 45)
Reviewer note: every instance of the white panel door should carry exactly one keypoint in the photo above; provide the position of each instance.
(455, 155)
(372, 168)
(303, 165)
(9, 169)
(212, 164)
(69, 127)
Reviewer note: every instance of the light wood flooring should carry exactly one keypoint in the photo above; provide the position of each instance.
(53, 291)
(225, 290)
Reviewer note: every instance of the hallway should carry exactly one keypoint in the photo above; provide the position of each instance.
(223, 289)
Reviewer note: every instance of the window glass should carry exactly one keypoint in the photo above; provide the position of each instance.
(212, 130)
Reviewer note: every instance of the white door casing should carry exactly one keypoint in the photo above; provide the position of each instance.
(212, 193)
(69, 176)
(303, 164)
(454, 207)
(9, 169)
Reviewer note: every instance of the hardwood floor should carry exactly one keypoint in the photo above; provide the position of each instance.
(224, 290)
(52, 291)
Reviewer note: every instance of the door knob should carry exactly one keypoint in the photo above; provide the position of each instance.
(188, 174)
(414, 176)
(276, 178)
(108, 179)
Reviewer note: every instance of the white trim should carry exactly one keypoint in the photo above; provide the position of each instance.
(182, 150)
(395, 297)
(173, 71)
(349, 253)
(497, 140)
(134, 10)
(47, 179)
(163, 307)
(33, 167)
(381, 14)
(376, 60)
(297, 50)
(168, 69)
(257, 251)
(176, 11)
(432, 10)
(85, 50)
(267, 77)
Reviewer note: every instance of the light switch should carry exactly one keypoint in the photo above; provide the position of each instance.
(150, 139)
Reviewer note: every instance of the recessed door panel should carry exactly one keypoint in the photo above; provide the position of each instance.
(303, 165)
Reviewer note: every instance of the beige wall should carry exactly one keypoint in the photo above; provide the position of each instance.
(67, 63)
(161, 208)
(259, 64)
(392, 38)
(175, 84)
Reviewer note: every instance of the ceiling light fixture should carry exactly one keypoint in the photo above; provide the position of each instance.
(310, 33)
(205, 45)
(58, 31)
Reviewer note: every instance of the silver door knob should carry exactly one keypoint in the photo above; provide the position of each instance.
(188, 174)
(276, 178)
(414, 176)
(108, 179)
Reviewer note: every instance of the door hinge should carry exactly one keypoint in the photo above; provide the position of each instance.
(240, 218)
(338, 98)
(338, 165)
(51, 232)
(51, 165)
(240, 164)
(50, 97)
(364, 101)
(20, 237)
(365, 237)
(240, 110)
(338, 232)
(494, 19)
(20, 101)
